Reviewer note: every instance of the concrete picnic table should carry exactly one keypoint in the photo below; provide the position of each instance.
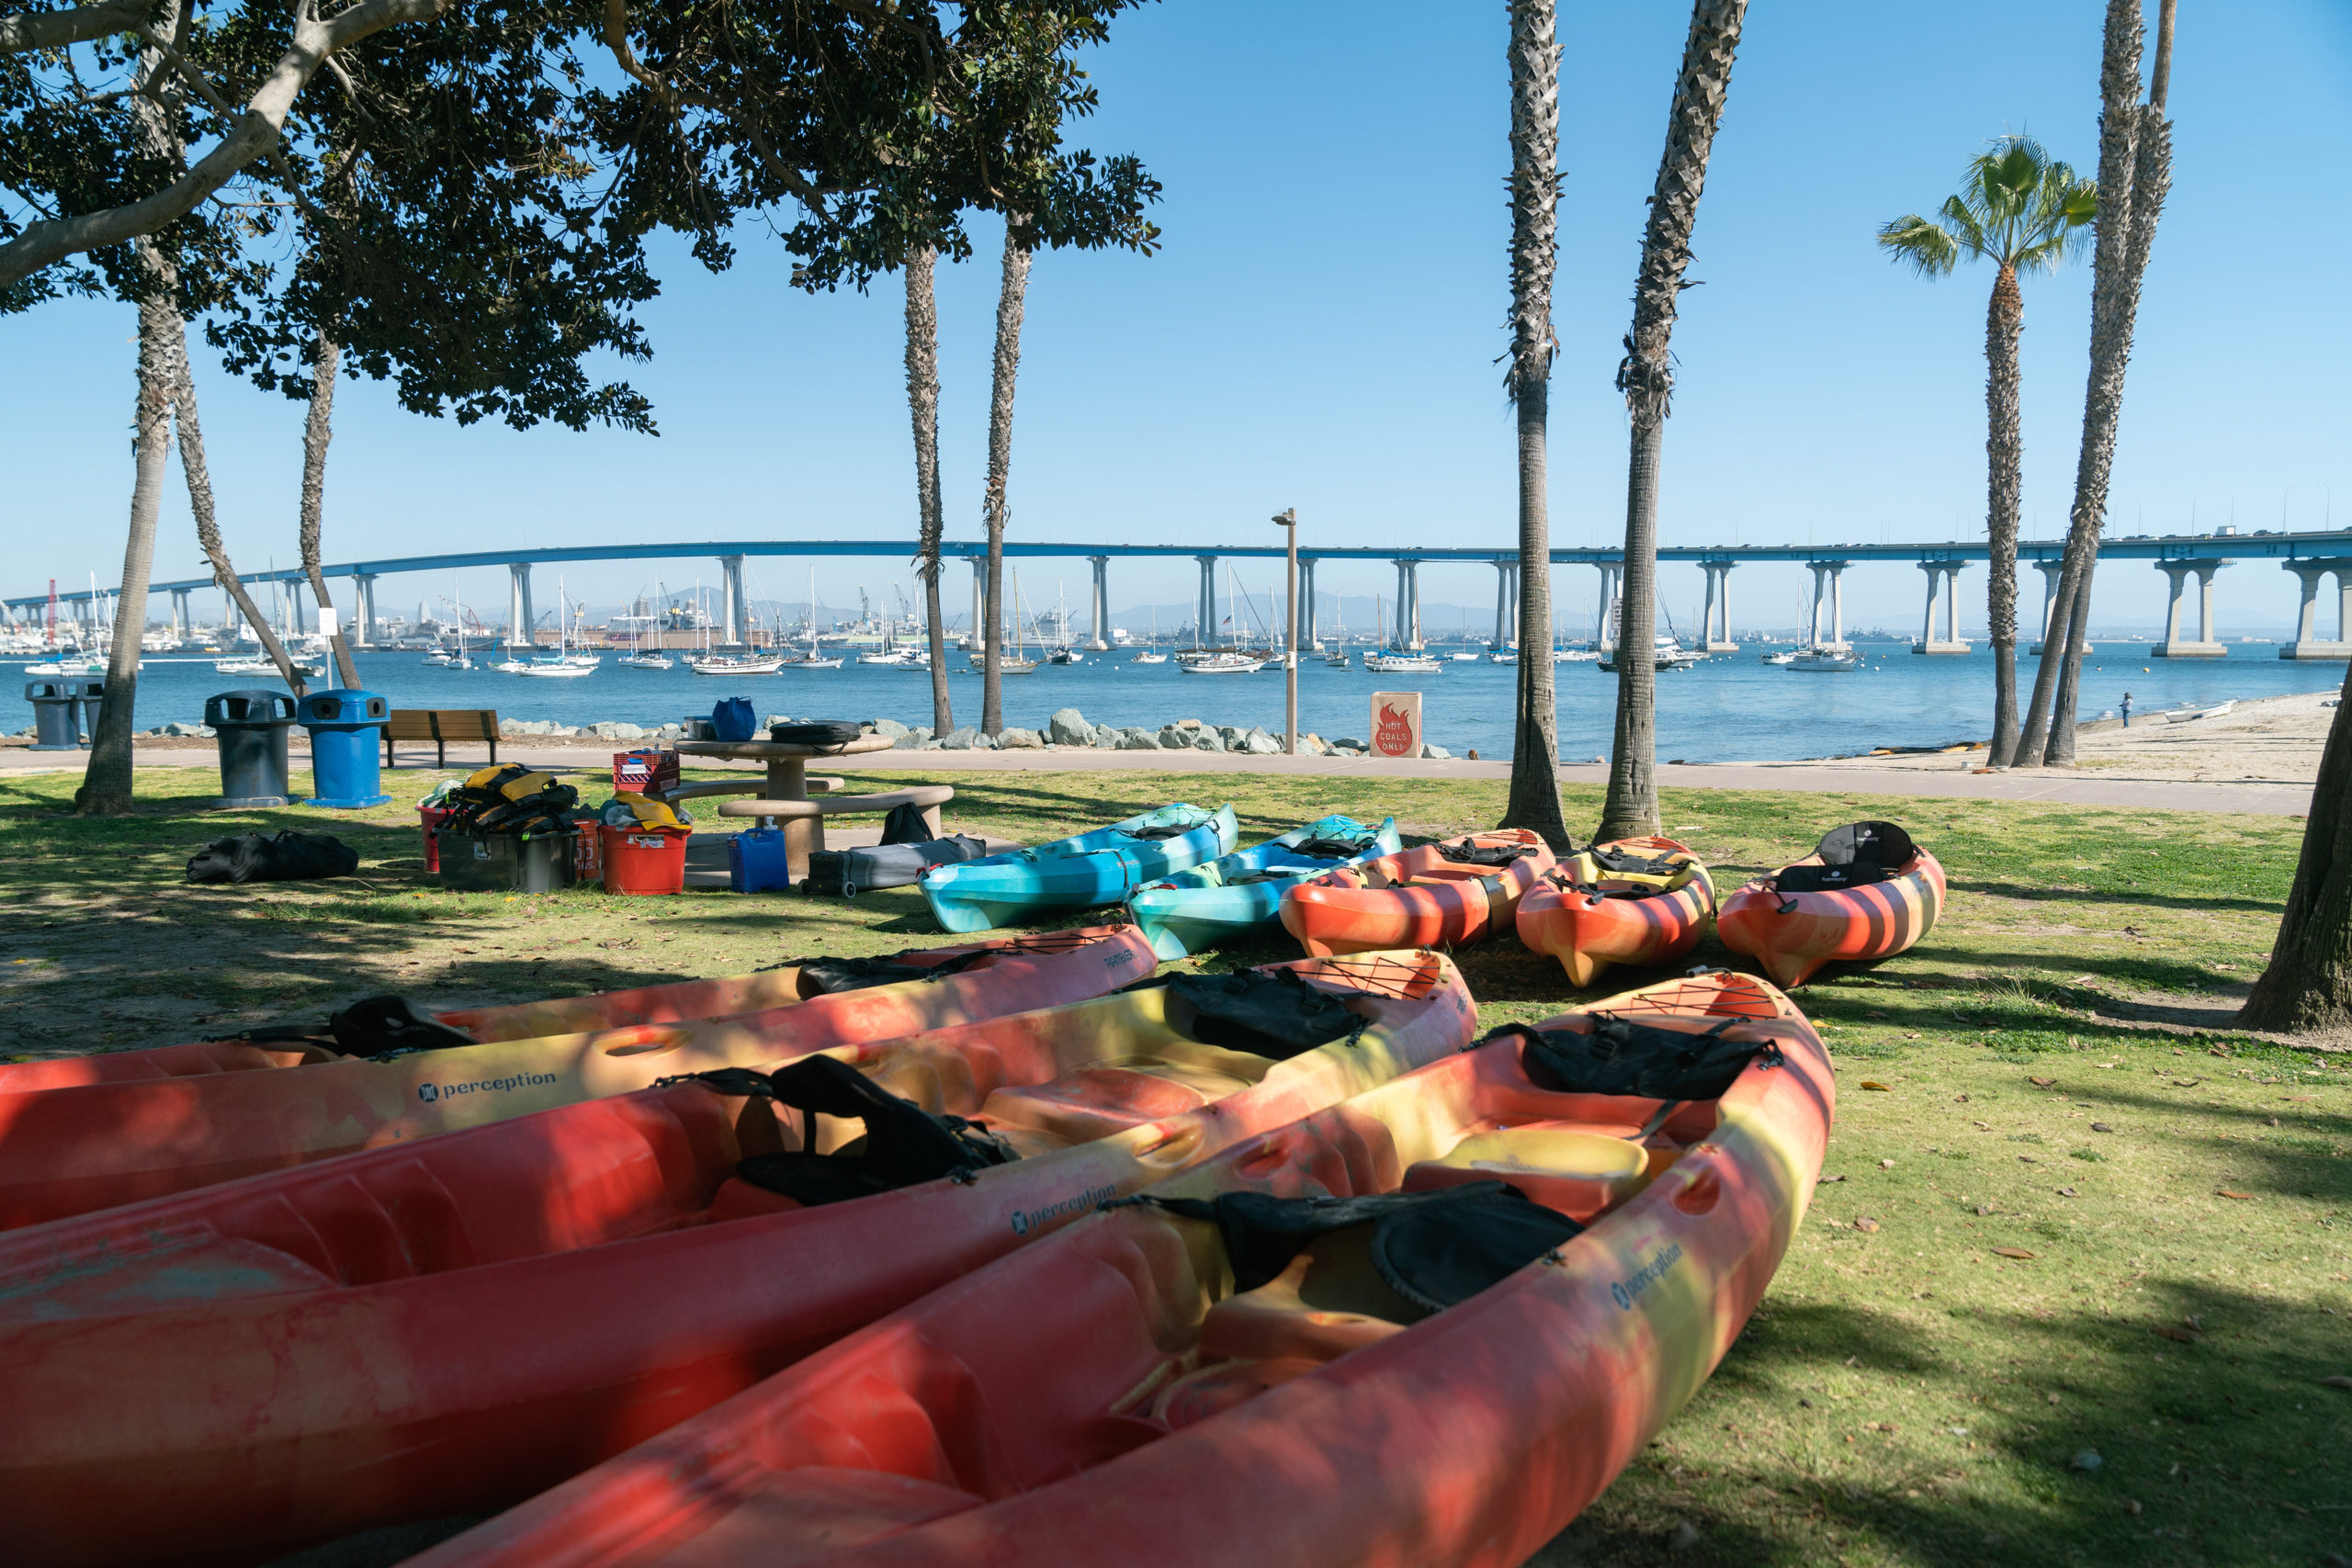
(787, 761)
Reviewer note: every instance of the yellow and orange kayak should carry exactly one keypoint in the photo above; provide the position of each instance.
(1427, 1326)
(1799, 919)
(73, 1151)
(1635, 901)
(1444, 895)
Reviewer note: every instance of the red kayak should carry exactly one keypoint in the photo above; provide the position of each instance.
(1637, 902)
(413, 1333)
(1425, 1327)
(1448, 895)
(1867, 892)
(71, 1151)
(673, 1002)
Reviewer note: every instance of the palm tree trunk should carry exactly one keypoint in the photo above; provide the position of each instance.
(2134, 173)
(316, 433)
(107, 783)
(1011, 302)
(199, 498)
(2004, 321)
(922, 402)
(2308, 982)
(1646, 379)
(1534, 800)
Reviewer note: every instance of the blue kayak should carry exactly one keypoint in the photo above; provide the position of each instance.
(1197, 909)
(1099, 867)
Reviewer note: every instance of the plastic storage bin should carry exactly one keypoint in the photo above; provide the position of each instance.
(644, 860)
(756, 861)
(251, 728)
(347, 746)
(57, 715)
(509, 862)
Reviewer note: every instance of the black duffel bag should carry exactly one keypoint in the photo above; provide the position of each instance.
(276, 857)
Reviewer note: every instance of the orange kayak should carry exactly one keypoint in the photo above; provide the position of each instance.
(1634, 901)
(71, 1151)
(1447, 894)
(451, 1327)
(1425, 1326)
(671, 1002)
(1820, 910)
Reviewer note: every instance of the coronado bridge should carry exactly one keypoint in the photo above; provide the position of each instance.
(2311, 556)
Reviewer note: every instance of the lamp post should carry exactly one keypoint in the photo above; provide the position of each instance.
(1287, 520)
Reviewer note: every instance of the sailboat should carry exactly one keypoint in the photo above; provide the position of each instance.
(1227, 661)
(1398, 660)
(1151, 654)
(1337, 658)
(811, 659)
(1020, 663)
(638, 656)
(559, 665)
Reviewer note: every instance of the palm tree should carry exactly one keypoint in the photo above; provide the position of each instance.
(1535, 201)
(2134, 176)
(1011, 302)
(318, 429)
(2025, 212)
(1645, 377)
(922, 401)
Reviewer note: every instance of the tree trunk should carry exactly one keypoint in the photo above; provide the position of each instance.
(1646, 379)
(1012, 300)
(2134, 173)
(199, 498)
(316, 433)
(1534, 800)
(922, 402)
(2308, 982)
(2004, 447)
(107, 783)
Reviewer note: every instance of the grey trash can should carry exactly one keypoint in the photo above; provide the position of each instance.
(57, 714)
(251, 729)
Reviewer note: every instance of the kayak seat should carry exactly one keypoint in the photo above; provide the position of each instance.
(807, 1513)
(1328, 1301)
(1566, 1166)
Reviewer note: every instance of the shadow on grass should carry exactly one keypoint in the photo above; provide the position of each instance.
(1957, 1443)
(2047, 895)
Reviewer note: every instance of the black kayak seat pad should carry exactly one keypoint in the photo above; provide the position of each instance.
(378, 1027)
(1435, 1249)
(1621, 1056)
(904, 1144)
(1270, 1013)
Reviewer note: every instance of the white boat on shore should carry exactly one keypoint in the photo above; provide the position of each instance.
(2184, 713)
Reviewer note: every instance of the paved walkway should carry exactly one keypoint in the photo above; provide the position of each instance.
(1950, 778)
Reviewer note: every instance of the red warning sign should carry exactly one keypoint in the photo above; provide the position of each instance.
(1396, 723)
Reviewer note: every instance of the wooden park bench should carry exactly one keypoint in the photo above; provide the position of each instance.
(441, 726)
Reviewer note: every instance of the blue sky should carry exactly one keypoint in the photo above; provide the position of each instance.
(1320, 329)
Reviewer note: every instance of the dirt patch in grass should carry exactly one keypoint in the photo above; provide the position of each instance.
(2062, 1081)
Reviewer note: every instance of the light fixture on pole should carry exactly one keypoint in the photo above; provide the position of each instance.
(1287, 519)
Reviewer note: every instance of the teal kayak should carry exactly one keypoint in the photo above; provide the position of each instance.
(1099, 867)
(1198, 909)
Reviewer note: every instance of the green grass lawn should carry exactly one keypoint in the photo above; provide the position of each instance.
(2058, 1077)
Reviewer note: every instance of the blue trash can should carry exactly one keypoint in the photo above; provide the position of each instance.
(347, 746)
(57, 715)
(250, 727)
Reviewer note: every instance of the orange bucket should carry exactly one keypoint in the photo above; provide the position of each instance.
(644, 860)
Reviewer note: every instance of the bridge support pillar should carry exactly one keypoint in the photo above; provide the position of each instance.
(1605, 621)
(2307, 644)
(2206, 644)
(1102, 602)
(1406, 634)
(1829, 595)
(1715, 633)
(182, 618)
(520, 619)
(734, 609)
(1943, 591)
(1506, 604)
(2050, 570)
(1204, 610)
(1310, 638)
(363, 593)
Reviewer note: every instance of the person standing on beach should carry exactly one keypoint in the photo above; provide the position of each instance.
(2127, 710)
